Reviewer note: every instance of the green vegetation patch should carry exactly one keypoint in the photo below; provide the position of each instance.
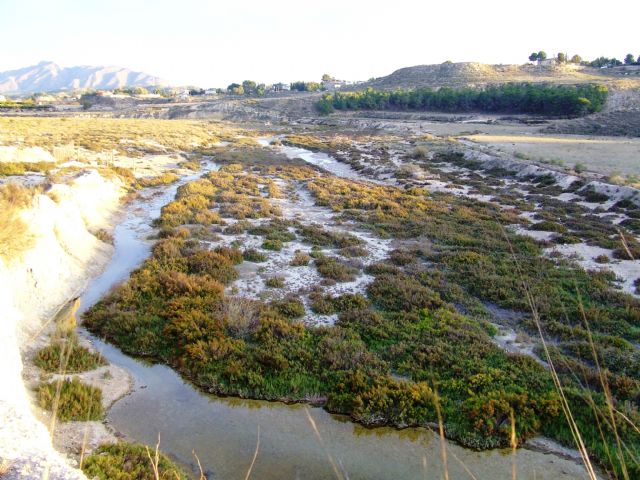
(71, 400)
(422, 327)
(126, 461)
(533, 98)
(67, 356)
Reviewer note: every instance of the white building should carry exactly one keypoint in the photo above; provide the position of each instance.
(333, 84)
(547, 61)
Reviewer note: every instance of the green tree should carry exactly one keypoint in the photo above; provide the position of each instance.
(236, 89)
(629, 60)
(576, 59)
(249, 87)
(533, 57)
(562, 58)
(542, 55)
(326, 77)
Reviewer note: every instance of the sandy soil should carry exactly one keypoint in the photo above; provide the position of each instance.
(605, 155)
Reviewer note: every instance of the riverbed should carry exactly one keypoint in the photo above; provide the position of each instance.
(291, 441)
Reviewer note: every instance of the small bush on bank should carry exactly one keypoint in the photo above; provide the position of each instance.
(67, 356)
(75, 401)
(126, 461)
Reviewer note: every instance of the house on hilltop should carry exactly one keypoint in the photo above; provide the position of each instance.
(333, 84)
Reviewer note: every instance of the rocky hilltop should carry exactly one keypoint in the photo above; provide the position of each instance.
(48, 77)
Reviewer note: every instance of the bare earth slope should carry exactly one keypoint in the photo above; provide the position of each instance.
(478, 74)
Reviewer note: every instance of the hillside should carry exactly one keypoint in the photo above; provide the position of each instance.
(48, 76)
(478, 74)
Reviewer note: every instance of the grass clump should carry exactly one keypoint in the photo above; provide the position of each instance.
(67, 356)
(22, 168)
(70, 399)
(126, 461)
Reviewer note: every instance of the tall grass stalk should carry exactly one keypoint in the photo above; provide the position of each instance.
(255, 456)
(566, 409)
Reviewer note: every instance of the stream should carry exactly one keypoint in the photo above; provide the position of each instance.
(295, 441)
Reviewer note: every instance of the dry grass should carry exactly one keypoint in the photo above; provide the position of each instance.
(242, 315)
(14, 233)
(5, 466)
(605, 155)
(63, 136)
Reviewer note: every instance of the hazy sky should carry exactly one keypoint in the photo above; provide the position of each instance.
(212, 43)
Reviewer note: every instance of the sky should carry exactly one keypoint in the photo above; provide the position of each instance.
(213, 43)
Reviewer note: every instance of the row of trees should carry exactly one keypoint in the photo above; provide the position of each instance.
(539, 99)
(306, 86)
(248, 87)
(599, 62)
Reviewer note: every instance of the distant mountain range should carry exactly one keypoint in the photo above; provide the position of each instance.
(49, 77)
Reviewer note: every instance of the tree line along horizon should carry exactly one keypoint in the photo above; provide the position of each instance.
(251, 87)
(599, 62)
(530, 98)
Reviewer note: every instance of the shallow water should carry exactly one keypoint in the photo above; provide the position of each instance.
(224, 431)
(295, 441)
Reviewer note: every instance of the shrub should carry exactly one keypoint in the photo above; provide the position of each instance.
(421, 152)
(300, 259)
(327, 305)
(318, 236)
(591, 195)
(253, 255)
(72, 399)
(275, 245)
(126, 461)
(213, 264)
(289, 307)
(66, 356)
(355, 251)
(164, 179)
(401, 293)
(234, 255)
(274, 282)
(331, 268)
(548, 226)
